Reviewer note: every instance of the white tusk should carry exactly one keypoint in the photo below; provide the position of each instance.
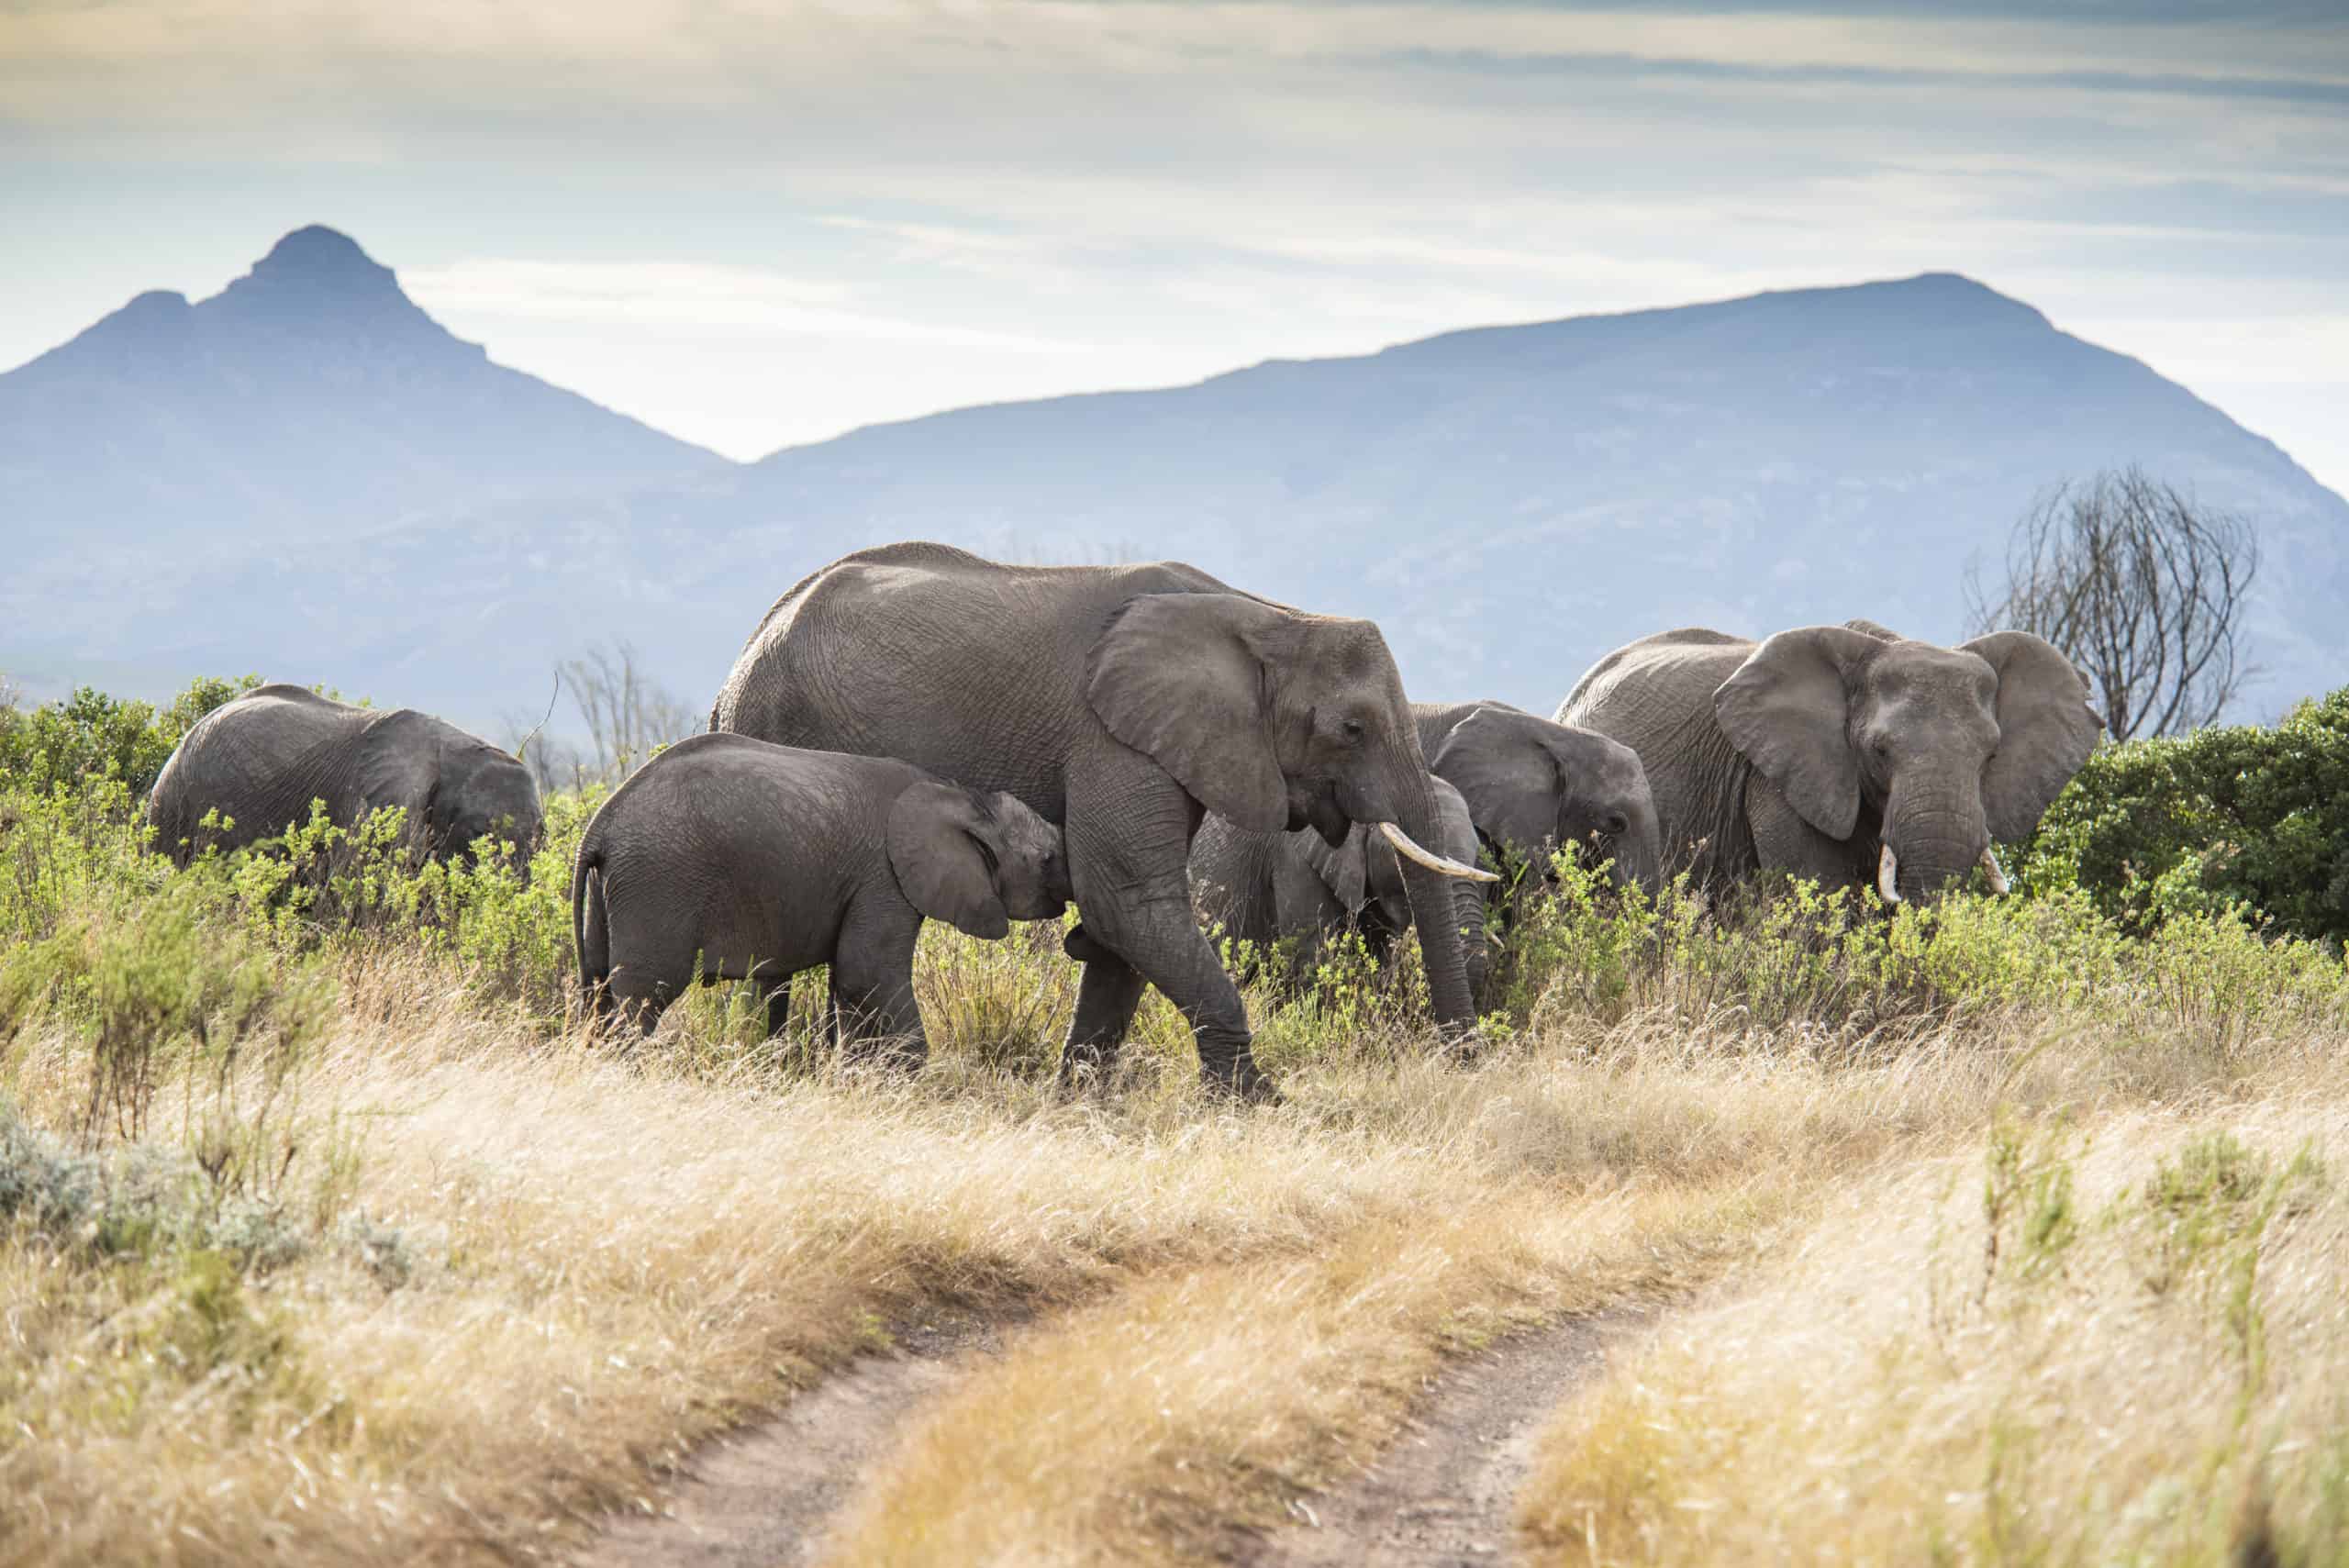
(1888, 875)
(1994, 871)
(1427, 858)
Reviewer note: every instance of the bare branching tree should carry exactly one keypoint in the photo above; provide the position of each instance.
(2142, 587)
(627, 714)
(628, 717)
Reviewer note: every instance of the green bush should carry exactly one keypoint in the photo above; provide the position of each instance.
(2226, 817)
(92, 735)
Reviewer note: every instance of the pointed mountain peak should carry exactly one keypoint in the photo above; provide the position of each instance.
(317, 283)
(321, 259)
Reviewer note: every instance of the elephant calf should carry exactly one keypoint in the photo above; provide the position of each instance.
(1261, 888)
(726, 857)
(262, 760)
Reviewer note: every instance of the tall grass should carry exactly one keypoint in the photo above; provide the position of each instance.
(328, 1230)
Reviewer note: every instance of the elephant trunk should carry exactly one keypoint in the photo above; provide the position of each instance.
(1430, 880)
(1639, 851)
(1930, 844)
(1468, 925)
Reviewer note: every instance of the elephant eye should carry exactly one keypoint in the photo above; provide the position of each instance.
(1351, 729)
(1616, 825)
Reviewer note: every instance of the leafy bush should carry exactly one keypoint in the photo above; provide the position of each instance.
(92, 735)
(2225, 816)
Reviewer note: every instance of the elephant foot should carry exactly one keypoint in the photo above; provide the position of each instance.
(1234, 1073)
(1086, 1066)
(1463, 1044)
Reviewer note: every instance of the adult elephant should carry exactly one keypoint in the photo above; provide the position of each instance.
(1532, 786)
(1846, 754)
(1122, 702)
(1265, 889)
(262, 760)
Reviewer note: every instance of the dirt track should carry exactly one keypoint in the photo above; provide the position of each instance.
(1440, 1497)
(765, 1497)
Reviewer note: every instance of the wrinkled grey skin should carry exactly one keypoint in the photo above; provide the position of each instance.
(1532, 786)
(1812, 750)
(1122, 702)
(262, 759)
(763, 861)
(1262, 889)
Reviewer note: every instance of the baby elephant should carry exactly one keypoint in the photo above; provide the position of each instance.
(761, 861)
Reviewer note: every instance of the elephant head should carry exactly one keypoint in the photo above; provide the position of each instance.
(1532, 786)
(481, 791)
(974, 860)
(1949, 749)
(1279, 721)
(1366, 876)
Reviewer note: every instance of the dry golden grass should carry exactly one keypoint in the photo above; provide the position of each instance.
(619, 1249)
(2122, 1338)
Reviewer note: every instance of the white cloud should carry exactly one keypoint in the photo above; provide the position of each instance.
(683, 293)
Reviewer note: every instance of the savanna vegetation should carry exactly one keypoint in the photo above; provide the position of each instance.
(2002, 1230)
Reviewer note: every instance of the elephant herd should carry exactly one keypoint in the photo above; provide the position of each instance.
(915, 733)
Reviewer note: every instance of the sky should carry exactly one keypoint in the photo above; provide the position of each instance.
(755, 224)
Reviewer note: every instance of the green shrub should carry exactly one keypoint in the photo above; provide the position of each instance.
(92, 735)
(2195, 825)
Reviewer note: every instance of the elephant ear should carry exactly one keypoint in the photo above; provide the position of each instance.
(1509, 781)
(1179, 677)
(1787, 709)
(2046, 729)
(938, 850)
(1344, 871)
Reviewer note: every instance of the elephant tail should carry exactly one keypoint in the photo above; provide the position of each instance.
(591, 929)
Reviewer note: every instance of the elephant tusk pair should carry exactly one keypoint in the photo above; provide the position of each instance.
(1888, 874)
(1408, 850)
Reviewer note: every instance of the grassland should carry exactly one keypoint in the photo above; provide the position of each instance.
(1989, 1234)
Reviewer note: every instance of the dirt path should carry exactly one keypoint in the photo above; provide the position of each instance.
(763, 1497)
(1441, 1497)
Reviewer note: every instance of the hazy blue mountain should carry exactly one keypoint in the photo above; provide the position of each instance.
(1508, 502)
(308, 401)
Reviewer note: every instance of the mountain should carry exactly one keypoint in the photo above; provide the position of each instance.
(1508, 502)
(309, 399)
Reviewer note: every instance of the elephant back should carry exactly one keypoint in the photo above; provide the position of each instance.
(1655, 695)
(972, 670)
(252, 760)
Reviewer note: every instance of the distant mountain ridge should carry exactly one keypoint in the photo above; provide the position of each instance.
(1508, 502)
(310, 391)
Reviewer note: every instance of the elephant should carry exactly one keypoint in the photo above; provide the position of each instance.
(1262, 889)
(726, 857)
(1533, 785)
(1123, 702)
(263, 758)
(1844, 753)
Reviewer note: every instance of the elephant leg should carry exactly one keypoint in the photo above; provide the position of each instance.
(1155, 933)
(632, 994)
(779, 1008)
(873, 983)
(1105, 998)
(1149, 924)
